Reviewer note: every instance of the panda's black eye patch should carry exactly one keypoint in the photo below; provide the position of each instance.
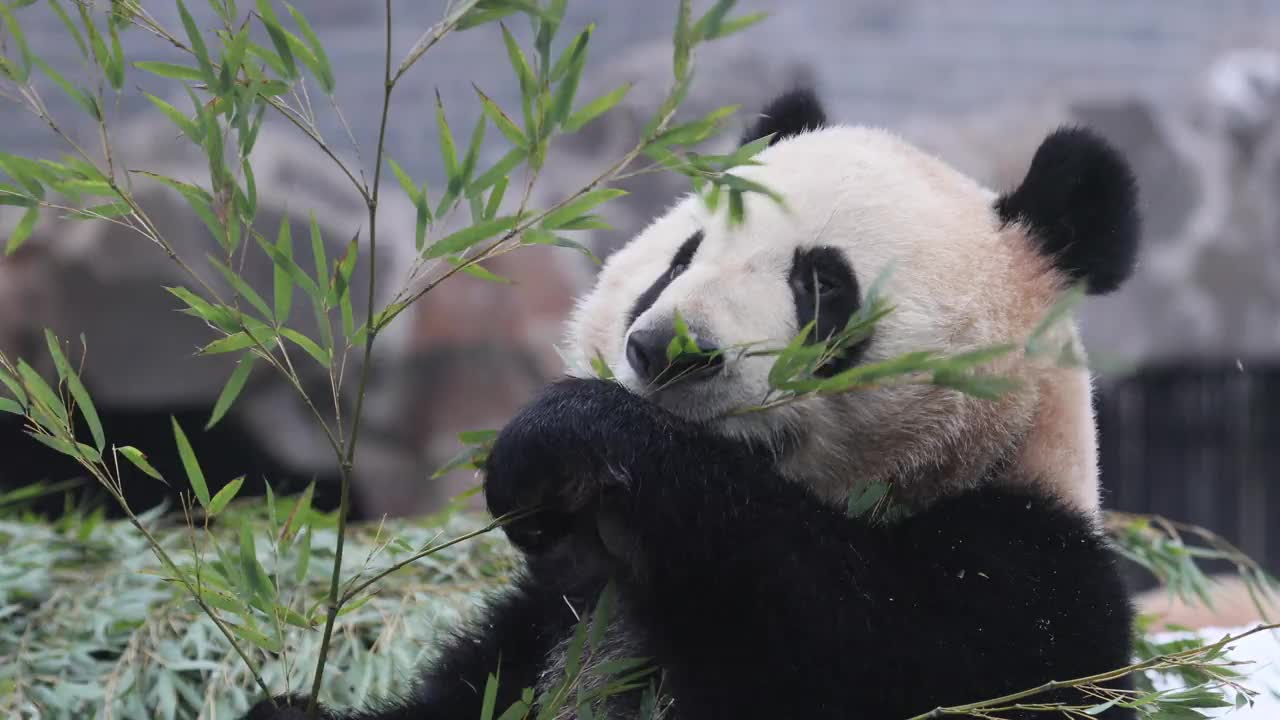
(822, 272)
(679, 263)
(825, 289)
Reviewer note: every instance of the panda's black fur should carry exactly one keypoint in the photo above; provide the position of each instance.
(1079, 199)
(757, 599)
(789, 114)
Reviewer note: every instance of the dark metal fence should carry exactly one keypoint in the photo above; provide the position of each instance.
(1198, 443)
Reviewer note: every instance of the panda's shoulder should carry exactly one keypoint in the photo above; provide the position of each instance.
(1002, 519)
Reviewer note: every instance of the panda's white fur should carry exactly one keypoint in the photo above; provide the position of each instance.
(961, 279)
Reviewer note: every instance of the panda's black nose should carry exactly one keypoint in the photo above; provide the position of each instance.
(647, 354)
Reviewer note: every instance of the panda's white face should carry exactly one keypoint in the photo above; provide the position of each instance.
(857, 200)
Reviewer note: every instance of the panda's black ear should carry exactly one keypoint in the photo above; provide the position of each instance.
(1080, 203)
(791, 113)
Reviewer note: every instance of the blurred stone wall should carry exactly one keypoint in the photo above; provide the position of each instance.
(979, 82)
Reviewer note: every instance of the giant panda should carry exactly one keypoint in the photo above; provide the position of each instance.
(736, 568)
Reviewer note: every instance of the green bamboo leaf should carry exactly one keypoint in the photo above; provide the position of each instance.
(587, 222)
(220, 600)
(308, 345)
(863, 375)
(340, 284)
(601, 615)
(683, 42)
(99, 212)
(520, 709)
(695, 131)
(737, 24)
(448, 153)
(490, 698)
(793, 358)
(406, 182)
(596, 108)
(68, 376)
(100, 54)
(737, 209)
(710, 22)
(570, 67)
(77, 451)
(22, 230)
(579, 206)
(477, 270)
(469, 160)
(270, 644)
(198, 47)
(318, 255)
(476, 437)
(981, 356)
(573, 654)
(524, 73)
(465, 238)
(219, 316)
(348, 315)
(72, 30)
(187, 190)
(9, 406)
(979, 385)
(278, 38)
(42, 397)
(472, 16)
(682, 343)
(224, 496)
(27, 173)
(189, 463)
(254, 573)
(273, 62)
(537, 236)
(231, 390)
(81, 98)
(1064, 306)
(501, 120)
(139, 460)
(233, 57)
(170, 70)
(299, 514)
(304, 557)
(495, 199)
(500, 170)
(862, 500)
(300, 278)
(231, 343)
(15, 387)
(383, 317)
(322, 69)
(117, 58)
(22, 70)
(293, 617)
(283, 283)
(242, 288)
(548, 25)
(10, 195)
(422, 218)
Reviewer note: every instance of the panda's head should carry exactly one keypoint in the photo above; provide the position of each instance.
(970, 268)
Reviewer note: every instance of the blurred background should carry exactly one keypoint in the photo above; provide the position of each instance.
(1189, 352)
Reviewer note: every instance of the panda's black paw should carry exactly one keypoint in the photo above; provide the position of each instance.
(561, 455)
(283, 707)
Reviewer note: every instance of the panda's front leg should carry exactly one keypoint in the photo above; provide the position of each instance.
(723, 567)
(555, 463)
(591, 464)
